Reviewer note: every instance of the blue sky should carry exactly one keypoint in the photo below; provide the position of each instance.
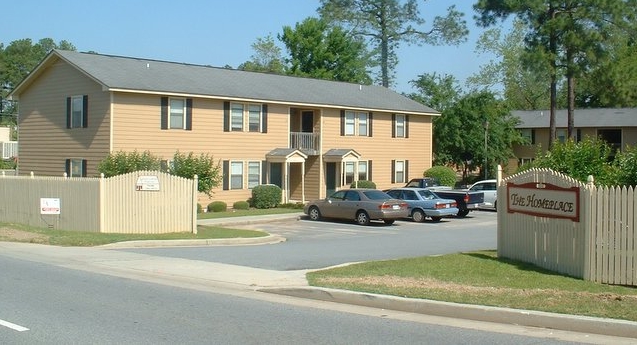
(211, 32)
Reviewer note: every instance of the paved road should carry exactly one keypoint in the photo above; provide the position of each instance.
(312, 245)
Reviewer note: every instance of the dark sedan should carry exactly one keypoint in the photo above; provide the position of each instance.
(360, 205)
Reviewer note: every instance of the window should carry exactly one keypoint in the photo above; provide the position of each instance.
(76, 112)
(561, 135)
(349, 172)
(236, 175)
(400, 124)
(177, 113)
(524, 161)
(399, 171)
(254, 174)
(76, 167)
(529, 135)
(236, 117)
(362, 171)
(241, 117)
(356, 123)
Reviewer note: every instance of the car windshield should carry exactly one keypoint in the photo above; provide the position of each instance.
(376, 195)
(426, 194)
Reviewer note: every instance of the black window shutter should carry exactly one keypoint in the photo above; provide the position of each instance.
(342, 122)
(369, 124)
(226, 175)
(406, 174)
(189, 114)
(164, 113)
(68, 112)
(264, 118)
(226, 116)
(406, 126)
(85, 111)
(264, 172)
(393, 171)
(84, 164)
(393, 125)
(67, 167)
(369, 171)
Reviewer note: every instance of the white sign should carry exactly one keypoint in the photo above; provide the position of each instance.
(49, 205)
(543, 200)
(147, 183)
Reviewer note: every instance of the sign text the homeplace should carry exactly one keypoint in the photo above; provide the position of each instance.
(543, 200)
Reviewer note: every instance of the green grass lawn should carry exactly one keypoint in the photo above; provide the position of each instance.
(483, 279)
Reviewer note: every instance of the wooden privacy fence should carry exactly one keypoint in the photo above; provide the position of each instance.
(142, 202)
(555, 222)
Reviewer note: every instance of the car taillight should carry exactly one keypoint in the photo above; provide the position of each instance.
(384, 206)
(466, 198)
(453, 204)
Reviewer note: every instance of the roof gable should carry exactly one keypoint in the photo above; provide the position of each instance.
(128, 74)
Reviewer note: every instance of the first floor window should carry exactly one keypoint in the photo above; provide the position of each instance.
(236, 175)
(399, 172)
(177, 113)
(76, 167)
(529, 135)
(524, 161)
(362, 171)
(349, 172)
(254, 174)
(561, 135)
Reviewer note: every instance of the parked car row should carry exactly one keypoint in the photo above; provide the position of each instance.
(364, 205)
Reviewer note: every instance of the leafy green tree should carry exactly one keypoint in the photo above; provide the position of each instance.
(459, 134)
(187, 166)
(121, 162)
(266, 58)
(437, 91)
(444, 174)
(385, 24)
(319, 51)
(579, 160)
(626, 166)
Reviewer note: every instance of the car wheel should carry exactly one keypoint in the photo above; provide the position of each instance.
(463, 213)
(314, 213)
(362, 218)
(436, 219)
(418, 216)
(389, 221)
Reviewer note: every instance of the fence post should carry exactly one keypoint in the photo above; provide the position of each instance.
(100, 208)
(195, 191)
(586, 200)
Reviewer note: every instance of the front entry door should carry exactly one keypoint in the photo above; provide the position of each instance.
(330, 178)
(307, 122)
(276, 174)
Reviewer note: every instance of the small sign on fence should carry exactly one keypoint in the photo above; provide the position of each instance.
(49, 205)
(147, 183)
(544, 200)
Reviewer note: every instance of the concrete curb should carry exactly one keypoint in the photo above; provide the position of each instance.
(565, 322)
(270, 239)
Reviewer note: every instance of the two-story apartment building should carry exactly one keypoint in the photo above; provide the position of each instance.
(308, 136)
(618, 127)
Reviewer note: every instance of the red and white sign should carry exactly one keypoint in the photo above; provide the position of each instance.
(49, 205)
(544, 200)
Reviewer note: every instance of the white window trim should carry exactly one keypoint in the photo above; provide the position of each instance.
(353, 123)
(358, 170)
(245, 117)
(232, 175)
(258, 174)
(75, 164)
(400, 120)
(402, 170)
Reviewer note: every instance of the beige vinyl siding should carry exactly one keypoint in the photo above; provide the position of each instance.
(381, 148)
(137, 127)
(45, 142)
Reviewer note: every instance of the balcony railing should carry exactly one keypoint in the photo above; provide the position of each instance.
(9, 149)
(306, 142)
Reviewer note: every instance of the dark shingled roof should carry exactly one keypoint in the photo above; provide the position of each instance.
(135, 74)
(583, 118)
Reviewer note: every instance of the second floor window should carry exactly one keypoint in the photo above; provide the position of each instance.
(77, 112)
(355, 123)
(529, 135)
(245, 117)
(177, 113)
(400, 127)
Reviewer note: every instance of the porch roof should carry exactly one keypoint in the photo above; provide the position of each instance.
(340, 155)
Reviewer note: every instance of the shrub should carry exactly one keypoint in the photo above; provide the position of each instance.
(199, 208)
(292, 205)
(626, 167)
(217, 206)
(241, 205)
(445, 175)
(363, 184)
(121, 162)
(187, 166)
(266, 196)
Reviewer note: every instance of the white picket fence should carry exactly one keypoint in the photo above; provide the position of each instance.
(596, 242)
